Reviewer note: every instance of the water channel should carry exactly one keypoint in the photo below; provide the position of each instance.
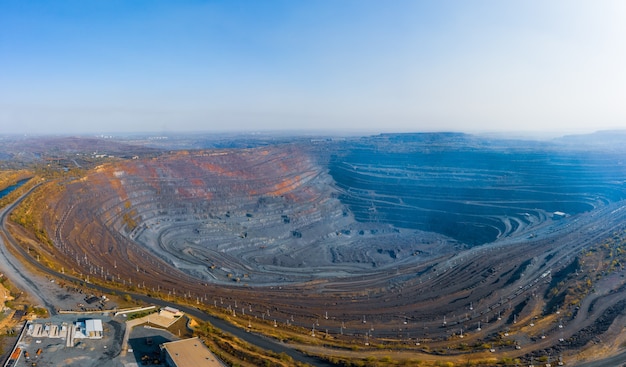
(10, 189)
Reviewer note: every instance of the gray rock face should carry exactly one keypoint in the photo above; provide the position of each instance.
(299, 212)
(264, 215)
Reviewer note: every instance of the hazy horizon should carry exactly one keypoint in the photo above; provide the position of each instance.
(485, 67)
(504, 135)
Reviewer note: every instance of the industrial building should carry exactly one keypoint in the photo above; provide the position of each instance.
(189, 353)
(93, 328)
(90, 328)
(170, 312)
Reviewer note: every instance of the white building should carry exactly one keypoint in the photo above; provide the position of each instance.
(91, 329)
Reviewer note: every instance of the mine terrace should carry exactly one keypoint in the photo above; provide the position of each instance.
(446, 246)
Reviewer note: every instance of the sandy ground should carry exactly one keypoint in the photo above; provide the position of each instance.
(44, 291)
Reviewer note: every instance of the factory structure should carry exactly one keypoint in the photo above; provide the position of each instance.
(189, 353)
(82, 329)
(60, 339)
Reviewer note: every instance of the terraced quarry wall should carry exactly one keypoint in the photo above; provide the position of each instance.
(473, 195)
(386, 229)
(254, 216)
(288, 213)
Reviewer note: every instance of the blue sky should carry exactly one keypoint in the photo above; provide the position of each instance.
(76, 66)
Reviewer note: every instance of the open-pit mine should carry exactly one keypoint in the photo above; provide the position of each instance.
(439, 247)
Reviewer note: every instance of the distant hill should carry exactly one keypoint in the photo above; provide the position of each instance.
(609, 140)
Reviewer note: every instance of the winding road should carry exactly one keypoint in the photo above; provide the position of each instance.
(10, 265)
(23, 279)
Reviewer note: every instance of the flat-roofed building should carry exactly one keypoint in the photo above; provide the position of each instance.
(189, 353)
(91, 329)
(170, 312)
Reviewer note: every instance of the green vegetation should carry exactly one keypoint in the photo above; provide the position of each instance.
(10, 178)
(39, 311)
(28, 217)
(138, 315)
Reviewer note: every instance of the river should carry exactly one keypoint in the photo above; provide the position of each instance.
(11, 188)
